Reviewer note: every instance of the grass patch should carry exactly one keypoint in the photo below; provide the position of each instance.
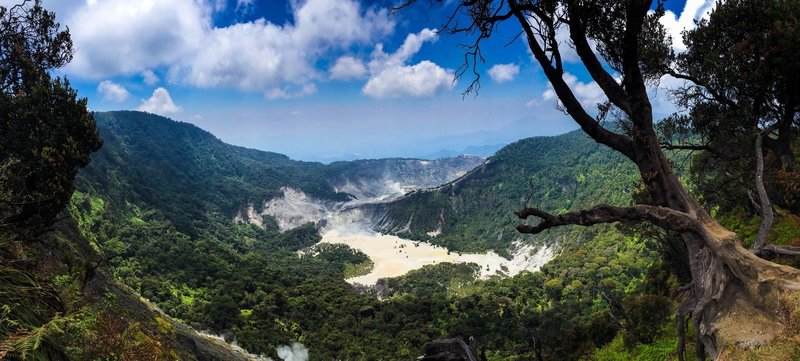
(358, 269)
(786, 231)
(665, 347)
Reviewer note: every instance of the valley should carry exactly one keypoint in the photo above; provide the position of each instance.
(394, 256)
(355, 258)
(202, 225)
(372, 185)
(353, 223)
(352, 259)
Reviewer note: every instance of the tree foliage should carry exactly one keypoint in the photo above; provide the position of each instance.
(742, 72)
(46, 132)
(46, 135)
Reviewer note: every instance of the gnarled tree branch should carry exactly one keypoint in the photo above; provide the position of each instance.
(588, 124)
(663, 217)
(577, 31)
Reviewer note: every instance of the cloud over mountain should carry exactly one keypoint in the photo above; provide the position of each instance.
(112, 91)
(160, 103)
(117, 37)
(392, 77)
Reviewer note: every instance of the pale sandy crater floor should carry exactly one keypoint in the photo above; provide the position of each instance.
(394, 256)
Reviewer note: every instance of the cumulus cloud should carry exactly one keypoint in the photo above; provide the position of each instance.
(391, 77)
(588, 94)
(150, 78)
(501, 73)
(261, 55)
(112, 91)
(159, 103)
(411, 45)
(348, 67)
(124, 37)
(419, 80)
(693, 10)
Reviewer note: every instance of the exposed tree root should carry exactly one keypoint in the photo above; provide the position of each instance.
(734, 295)
(737, 294)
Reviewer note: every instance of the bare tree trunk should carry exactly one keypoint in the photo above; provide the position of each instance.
(764, 203)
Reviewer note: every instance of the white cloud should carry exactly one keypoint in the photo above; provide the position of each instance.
(411, 45)
(390, 77)
(348, 67)
(588, 94)
(112, 91)
(126, 37)
(420, 80)
(260, 55)
(501, 73)
(116, 37)
(692, 10)
(160, 103)
(150, 78)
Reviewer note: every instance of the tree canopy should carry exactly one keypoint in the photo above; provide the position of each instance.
(46, 132)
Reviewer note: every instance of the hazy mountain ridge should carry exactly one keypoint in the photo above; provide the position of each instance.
(395, 177)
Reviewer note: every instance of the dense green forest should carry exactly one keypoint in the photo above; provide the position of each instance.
(117, 230)
(606, 293)
(251, 285)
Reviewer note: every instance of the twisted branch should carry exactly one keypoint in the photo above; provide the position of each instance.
(663, 217)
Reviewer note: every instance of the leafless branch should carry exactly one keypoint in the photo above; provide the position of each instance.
(663, 217)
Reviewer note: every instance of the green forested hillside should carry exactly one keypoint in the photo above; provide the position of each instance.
(558, 174)
(164, 228)
(603, 296)
(185, 172)
(123, 234)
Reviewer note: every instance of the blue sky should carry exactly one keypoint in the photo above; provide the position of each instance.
(318, 79)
